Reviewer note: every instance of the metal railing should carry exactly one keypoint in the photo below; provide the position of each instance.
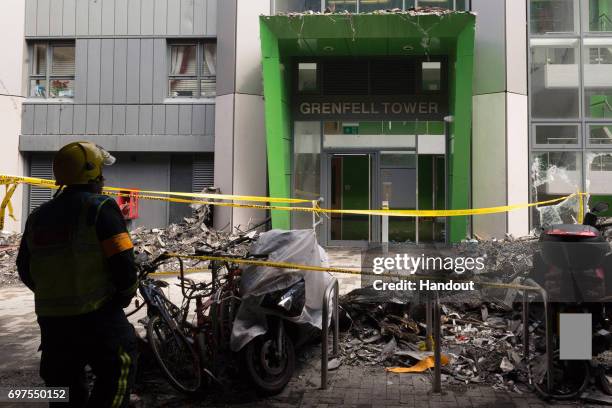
(335, 288)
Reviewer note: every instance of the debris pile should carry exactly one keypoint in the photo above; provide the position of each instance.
(419, 11)
(483, 341)
(9, 246)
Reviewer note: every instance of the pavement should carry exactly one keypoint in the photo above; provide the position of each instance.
(358, 387)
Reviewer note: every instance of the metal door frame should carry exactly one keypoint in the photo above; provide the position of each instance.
(325, 234)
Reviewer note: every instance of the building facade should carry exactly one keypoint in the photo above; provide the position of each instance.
(489, 103)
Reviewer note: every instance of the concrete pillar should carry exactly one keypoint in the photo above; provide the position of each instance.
(500, 136)
(12, 88)
(240, 143)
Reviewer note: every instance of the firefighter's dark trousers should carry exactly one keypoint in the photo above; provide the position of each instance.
(105, 341)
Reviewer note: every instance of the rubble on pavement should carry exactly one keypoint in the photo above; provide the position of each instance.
(9, 246)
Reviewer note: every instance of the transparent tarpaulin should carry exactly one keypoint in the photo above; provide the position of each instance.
(294, 246)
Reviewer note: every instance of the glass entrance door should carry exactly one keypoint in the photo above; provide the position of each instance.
(398, 178)
(350, 189)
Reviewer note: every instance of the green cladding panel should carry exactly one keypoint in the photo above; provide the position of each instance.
(336, 35)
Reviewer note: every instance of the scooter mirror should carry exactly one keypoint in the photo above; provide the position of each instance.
(600, 207)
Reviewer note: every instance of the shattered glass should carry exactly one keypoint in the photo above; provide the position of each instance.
(554, 175)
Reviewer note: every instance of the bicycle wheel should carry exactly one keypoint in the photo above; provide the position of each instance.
(176, 356)
(569, 378)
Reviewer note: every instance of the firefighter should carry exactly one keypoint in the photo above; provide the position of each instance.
(77, 257)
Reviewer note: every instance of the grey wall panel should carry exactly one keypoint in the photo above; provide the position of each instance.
(174, 17)
(93, 70)
(121, 17)
(106, 70)
(210, 120)
(108, 17)
(80, 80)
(186, 17)
(131, 119)
(56, 14)
(160, 71)
(134, 17)
(82, 17)
(66, 117)
(27, 119)
(198, 120)
(119, 119)
(40, 119)
(120, 71)
(490, 47)
(95, 17)
(147, 15)
(79, 119)
(159, 120)
(53, 119)
(199, 17)
(160, 11)
(144, 120)
(106, 120)
(185, 112)
(133, 71)
(211, 17)
(42, 18)
(146, 70)
(30, 17)
(69, 18)
(226, 47)
(93, 119)
(172, 119)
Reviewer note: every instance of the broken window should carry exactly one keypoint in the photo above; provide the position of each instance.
(554, 175)
(599, 175)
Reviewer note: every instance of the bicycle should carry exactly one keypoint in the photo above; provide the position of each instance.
(186, 352)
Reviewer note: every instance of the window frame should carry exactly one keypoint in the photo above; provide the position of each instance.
(48, 76)
(199, 74)
(561, 146)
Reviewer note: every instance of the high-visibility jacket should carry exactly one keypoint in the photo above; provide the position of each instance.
(70, 273)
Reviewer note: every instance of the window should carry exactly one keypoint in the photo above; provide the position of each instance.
(555, 78)
(192, 70)
(307, 77)
(51, 70)
(599, 16)
(339, 6)
(553, 16)
(600, 135)
(366, 6)
(431, 76)
(556, 135)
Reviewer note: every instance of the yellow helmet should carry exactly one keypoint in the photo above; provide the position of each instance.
(80, 163)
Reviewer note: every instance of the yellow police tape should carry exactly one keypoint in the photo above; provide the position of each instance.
(6, 204)
(6, 179)
(312, 268)
(166, 196)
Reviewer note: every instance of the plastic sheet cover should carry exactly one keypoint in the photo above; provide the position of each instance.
(295, 246)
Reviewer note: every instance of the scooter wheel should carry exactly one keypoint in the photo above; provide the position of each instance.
(269, 370)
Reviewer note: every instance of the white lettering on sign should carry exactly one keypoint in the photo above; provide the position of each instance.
(369, 108)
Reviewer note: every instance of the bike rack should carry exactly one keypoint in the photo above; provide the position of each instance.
(335, 287)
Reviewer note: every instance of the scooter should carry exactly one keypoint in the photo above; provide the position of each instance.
(270, 358)
(574, 266)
